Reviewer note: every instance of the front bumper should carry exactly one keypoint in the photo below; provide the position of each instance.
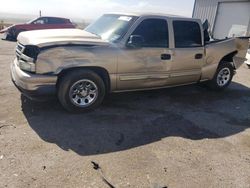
(33, 85)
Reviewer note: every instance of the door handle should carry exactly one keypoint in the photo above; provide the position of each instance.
(198, 56)
(165, 56)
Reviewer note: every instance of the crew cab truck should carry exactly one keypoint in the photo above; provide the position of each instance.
(122, 52)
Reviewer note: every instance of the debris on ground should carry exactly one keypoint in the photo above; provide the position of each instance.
(7, 125)
(97, 167)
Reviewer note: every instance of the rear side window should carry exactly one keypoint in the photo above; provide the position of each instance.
(56, 21)
(154, 32)
(187, 34)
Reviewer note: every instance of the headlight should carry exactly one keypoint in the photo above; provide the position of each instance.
(27, 66)
(31, 51)
(27, 56)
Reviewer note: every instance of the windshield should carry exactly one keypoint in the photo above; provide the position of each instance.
(111, 27)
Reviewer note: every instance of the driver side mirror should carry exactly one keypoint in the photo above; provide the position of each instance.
(135, 41)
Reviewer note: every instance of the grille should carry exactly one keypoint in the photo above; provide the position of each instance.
(19, 50)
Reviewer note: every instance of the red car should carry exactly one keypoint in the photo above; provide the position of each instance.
(12, 32)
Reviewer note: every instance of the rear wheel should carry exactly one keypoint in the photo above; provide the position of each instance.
(81, 90)
(222, 77)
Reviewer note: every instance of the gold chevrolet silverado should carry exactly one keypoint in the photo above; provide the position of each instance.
(122, 52)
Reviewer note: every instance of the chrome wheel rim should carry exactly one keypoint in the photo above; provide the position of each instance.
(223, 77)
(83, 93)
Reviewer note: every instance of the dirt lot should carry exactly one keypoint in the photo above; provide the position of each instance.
(180, 137)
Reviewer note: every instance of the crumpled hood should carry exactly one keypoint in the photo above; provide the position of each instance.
(42, 38)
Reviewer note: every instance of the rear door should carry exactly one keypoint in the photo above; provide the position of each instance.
(188, 52)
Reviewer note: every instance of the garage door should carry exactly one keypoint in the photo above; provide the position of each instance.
(231, 15)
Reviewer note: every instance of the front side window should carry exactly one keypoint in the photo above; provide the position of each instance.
(111, 27)
(187, 34)
(154, 32)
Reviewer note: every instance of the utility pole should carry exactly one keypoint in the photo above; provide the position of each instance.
(40, 13)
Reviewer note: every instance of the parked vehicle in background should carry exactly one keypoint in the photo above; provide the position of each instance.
(13, 31)
(123, 52)
(248, 58)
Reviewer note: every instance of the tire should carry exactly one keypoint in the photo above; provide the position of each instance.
(248, 66)
(81, 90)
(9, 37)
(223, 76)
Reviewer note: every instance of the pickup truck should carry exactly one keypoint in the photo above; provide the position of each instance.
(11, 33)
(122, 52)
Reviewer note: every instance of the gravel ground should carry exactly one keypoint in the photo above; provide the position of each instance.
(179, 137)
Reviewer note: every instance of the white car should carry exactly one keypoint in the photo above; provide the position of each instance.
(248, 58)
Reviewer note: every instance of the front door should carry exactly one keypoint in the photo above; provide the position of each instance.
(148, 66)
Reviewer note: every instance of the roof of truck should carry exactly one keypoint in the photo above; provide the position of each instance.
(148, 14)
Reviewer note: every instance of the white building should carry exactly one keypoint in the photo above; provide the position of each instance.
(226, 17)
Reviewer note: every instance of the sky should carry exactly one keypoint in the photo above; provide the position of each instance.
(91, 9)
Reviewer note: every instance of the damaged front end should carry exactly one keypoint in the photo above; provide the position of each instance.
(26, 57)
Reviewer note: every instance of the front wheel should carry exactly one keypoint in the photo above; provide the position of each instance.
(9, 37)
(222, 77)
(81, 90)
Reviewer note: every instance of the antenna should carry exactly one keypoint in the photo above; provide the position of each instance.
(40, 13)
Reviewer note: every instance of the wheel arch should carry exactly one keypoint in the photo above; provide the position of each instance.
(208, 71)
(102, 72)
(213, 84)
(228, 58)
